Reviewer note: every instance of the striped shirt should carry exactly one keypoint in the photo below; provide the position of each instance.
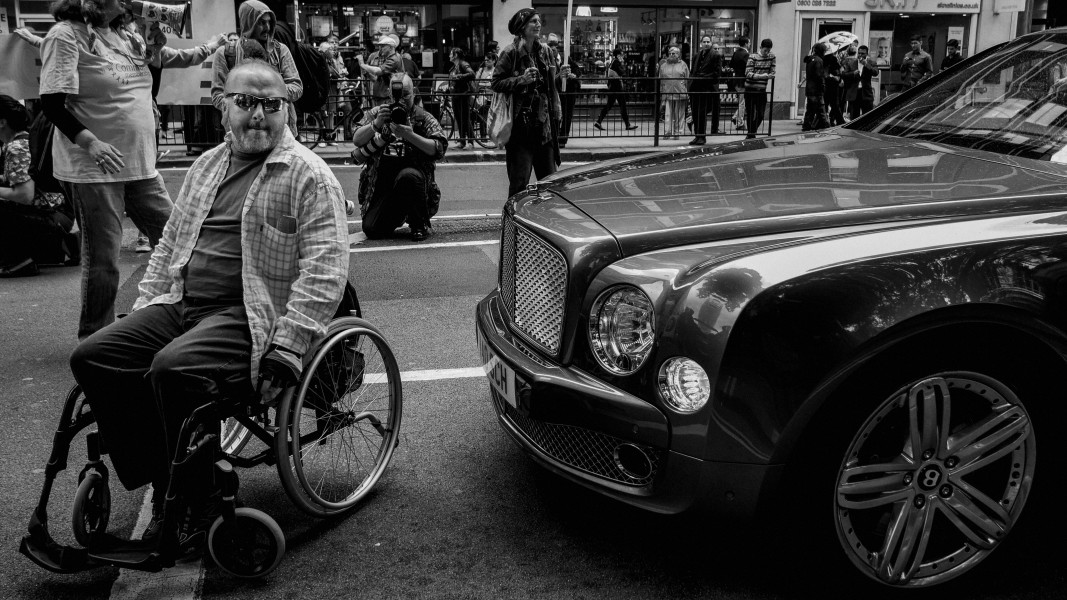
(294, 245)
(759, 70)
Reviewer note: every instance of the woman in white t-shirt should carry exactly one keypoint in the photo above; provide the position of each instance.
(97, 90)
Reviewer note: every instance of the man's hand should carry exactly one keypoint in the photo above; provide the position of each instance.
(382, 119)
(404, 132)
(279, 369)
(565, 71)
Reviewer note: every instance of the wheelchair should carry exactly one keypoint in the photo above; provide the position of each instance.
(331, 438)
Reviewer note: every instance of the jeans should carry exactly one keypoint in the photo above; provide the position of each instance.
(461, 110)
(525, 153)
(99, 207)
(145, 374)
(400, 193)
(567, 99)
(755, 107)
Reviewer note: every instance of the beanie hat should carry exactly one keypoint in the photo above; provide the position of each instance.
(520, 19)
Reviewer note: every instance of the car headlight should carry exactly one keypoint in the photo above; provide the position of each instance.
(622, 328)
(684, 384)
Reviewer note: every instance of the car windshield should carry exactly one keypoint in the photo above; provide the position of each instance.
(1011, 101)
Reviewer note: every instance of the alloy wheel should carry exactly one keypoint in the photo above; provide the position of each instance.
(935, 479)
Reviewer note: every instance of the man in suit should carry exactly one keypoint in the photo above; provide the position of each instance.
(704, 89)
(952, 56)
(857, 74)
(569, 97)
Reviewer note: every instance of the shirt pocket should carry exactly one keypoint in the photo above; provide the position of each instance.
(277, 253)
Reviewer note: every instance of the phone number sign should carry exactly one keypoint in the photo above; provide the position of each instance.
(897, 6)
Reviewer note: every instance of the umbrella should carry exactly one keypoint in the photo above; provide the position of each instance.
(838, 41)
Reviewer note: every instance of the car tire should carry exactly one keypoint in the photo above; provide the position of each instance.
(936, 513)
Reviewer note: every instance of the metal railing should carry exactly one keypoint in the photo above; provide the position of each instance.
(596, 101)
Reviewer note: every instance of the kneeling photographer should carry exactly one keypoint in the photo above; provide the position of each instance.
(398, 144)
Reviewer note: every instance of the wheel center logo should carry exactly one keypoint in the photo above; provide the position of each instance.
(929, 478)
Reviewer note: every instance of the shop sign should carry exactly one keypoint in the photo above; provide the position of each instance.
(897, 6)
(383, 24)
(1005, 6)
(5, 26)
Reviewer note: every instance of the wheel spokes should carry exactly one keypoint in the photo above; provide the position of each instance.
(905, 544)
(871, 486)
(929, 411)
(990, 439)
(976, 516)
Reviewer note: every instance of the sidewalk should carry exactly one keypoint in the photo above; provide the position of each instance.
(577, 150)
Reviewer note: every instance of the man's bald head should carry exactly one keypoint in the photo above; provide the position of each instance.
(254, 129)
(253, 75)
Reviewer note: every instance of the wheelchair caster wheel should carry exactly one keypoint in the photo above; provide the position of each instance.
(92, 508)
(248, 546)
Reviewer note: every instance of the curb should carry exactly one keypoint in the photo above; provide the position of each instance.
(177, 159)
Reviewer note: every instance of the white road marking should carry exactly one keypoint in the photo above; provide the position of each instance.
(423, 246)
(182, 581)
(450, 217)
(435, 374)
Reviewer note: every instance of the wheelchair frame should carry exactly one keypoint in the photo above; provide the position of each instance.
(199, 449)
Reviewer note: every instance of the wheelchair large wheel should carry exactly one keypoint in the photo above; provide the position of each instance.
(338, 430)
(248, 546)
(92, 508)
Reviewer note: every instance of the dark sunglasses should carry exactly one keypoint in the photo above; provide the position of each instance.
(249, 102)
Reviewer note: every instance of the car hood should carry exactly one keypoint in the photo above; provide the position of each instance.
(792, 183)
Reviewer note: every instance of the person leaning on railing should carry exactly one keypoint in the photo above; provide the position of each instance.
(759, 71)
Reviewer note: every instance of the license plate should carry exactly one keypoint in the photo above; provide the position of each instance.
(500, 376)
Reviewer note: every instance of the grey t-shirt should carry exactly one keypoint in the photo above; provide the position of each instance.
(214, 268)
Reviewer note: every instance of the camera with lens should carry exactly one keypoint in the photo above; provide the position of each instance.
(398, 111)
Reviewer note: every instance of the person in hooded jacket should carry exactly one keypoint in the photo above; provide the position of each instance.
(815, 89)
(258, 25)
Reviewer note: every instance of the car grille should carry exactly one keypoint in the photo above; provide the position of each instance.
(533, 284)
(589, 451)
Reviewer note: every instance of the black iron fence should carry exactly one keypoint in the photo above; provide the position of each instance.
(594, 108)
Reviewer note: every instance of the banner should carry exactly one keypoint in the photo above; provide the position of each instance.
(22, 65)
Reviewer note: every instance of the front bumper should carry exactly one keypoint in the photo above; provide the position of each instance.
(574, 425)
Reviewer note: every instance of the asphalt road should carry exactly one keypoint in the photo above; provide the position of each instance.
(461, 513)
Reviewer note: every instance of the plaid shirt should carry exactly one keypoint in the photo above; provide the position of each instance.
(292, 282)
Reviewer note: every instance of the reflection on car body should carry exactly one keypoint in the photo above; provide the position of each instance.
(866, 321)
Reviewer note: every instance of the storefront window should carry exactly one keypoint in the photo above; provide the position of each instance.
(426, 31)
(890, 40)
(642, 32)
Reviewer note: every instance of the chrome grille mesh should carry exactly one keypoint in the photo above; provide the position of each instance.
(533, 283)
(589, 451)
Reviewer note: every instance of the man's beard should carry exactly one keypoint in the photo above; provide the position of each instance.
(255, 141)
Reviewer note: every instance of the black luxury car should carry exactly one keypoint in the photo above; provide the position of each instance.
(861, 326)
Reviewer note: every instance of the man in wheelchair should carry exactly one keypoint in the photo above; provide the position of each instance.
(250, 269)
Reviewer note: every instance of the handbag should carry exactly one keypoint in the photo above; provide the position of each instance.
(501, 117)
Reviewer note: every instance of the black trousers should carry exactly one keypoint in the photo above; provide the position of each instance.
(29, 232)
(613, 98)
(145, 374)
(704, 102)
(525, 153)
(755, 107)
(461, 110)
(833, 104)
(567, 99)
(400, 193)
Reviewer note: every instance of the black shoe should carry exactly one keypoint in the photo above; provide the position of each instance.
(697, 141)
(192, 536)
(155, 525)
(631, 127)
(598, 126)
(420, 233)
(22, 268)
(750, 136)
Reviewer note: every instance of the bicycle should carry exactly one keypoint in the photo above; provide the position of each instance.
(311, 127)
(479, 114)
